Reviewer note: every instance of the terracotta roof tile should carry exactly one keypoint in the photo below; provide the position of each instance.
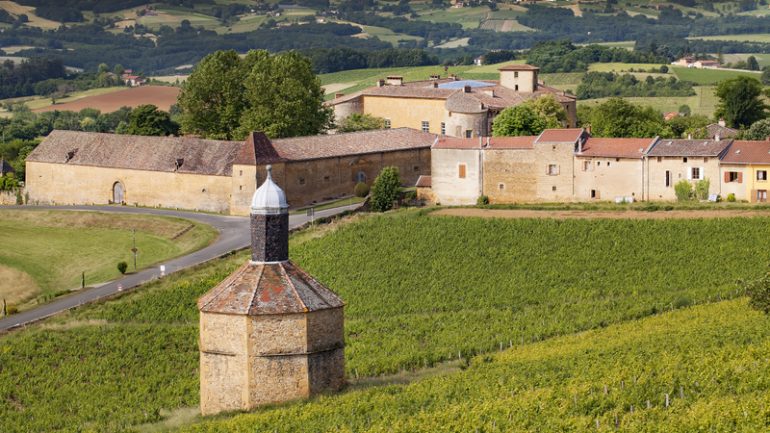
(676, 147)
(457, 143)
(616, 147)
(180, 154)
(518, 67)
(423, 181)
(521, 142)
(264, 289)
(563, 135)
(748, 152)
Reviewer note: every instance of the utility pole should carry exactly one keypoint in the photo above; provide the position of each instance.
(133, 249)
(83, 280)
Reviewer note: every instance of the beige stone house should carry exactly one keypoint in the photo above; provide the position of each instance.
(450, 106)
(670, 161)
(219, 176)
(506, 169)
(611, 169)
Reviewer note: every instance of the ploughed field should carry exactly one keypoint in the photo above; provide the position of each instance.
(422, 290)
(162, 97)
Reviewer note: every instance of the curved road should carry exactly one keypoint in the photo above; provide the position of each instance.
(233, 235)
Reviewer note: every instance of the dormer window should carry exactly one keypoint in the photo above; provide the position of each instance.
(71, 154)
(178, 163)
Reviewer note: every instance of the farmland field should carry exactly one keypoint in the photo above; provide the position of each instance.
(709, 76)
(762, 59)
(161, 96)
(756, 37)
(420, 290)
(704, 102)
(45, 251)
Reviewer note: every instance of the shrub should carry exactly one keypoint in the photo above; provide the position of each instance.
(385, 189)
(702, 189)
(663, 69)
(731, 197)
(482, 200)
(759, 293)
(683, 190)
(409, 195)
(361, 189)
(122, 267)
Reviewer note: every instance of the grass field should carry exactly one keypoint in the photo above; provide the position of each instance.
(418, 290)
(762, 59)
(754, 37)
(386, 35)
(38, 102)
(709, 76)
(44, 252)
(623, 67)
(704, 102)
(34, 20)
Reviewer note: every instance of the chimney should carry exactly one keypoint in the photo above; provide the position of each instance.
(435, 77)
(435, 85)
(395, 80)
(588, 129)
(269, 223)
(380, 83)
(717, 137)
(689, 136)
(453, 77)
(338, 95)
(467, 89)
(490, 92)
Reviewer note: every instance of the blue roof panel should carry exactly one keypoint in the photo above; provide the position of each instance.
(462, 83)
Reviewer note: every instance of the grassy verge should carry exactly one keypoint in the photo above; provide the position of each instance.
(54, 248)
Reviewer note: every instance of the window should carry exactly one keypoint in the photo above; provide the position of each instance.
(608, 163)
(501, 186)
(761, 195)
(387, 123)
(241, 173)
(468, 133)
(416, 168)
(761, 174)
(461, 171)
(516, 74)
(552, 170)
(516, 87)
(705, 159)
(240, 188)
(684, 159)
(425, 126)
(668, 179)
(586, 165)
(327, 178)
(593, 193)
(696, 173)
(361, 177)
(301, 180)
(617, 159)
(660, 159)
(443, 128)
(598, 163)
(733, 176)
(553, 188)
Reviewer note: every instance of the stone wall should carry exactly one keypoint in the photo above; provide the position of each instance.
(9, 197)
(223, 363)
(78, 184)
(458, 123)
(554, 187)
(448, 187)
(608, 178)
(656, 168)
(509, 175)
(407, 112)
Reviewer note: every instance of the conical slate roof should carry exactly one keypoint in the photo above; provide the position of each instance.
(274, 288)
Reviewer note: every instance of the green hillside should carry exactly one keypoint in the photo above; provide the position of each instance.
(421, 290)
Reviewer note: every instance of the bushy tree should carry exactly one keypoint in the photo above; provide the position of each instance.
(148, 120)
(683, 190)
(620, 118)
(740, 101)
(360, 122)
(529, 118)
(752, 64)
(702, 189)
(385, 189)
(759, 130)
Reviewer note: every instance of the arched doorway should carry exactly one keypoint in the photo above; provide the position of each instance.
(118, 193)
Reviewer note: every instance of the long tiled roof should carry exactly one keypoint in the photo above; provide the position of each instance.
(748, 152)
(520, 142)
(180, 154)
(676, 147)
(565, 135)
(616, 147)
(334, 145)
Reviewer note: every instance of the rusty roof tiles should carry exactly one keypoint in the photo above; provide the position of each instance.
(562, 135)
(677, 147)
(748, 152)
(266, 289)
(616, 147)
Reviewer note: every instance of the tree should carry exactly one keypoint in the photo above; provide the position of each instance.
(752, 64)
(385, 189)
(148, 120)
(620, 118)
(227, 97)
(529, 118)
(740, 102)
(361, 122)
(758, 131)
(765, 78)
(685, 110)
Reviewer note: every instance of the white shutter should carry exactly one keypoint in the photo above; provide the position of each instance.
(702, 174)
(689, 173)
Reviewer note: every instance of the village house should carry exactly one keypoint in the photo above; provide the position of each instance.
(744, 169)
(672, 160)
(71, 167)
(565, 165)
(450, 106)
(720, 130)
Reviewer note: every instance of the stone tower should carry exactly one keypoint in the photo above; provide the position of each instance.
(269, 332)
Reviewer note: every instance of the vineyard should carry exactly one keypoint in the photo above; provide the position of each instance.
(421, 290)
(710, 364)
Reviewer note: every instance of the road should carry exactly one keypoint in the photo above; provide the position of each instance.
(233, 235)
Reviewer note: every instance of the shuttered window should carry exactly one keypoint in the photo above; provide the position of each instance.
(461, 171)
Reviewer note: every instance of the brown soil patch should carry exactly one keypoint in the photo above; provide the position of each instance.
(16, 286)
(568, 214)
(162, 97)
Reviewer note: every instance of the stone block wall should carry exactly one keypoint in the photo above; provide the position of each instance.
(223, 363)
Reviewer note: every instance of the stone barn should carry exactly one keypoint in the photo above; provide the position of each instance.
(270, 332)
(71, 167)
